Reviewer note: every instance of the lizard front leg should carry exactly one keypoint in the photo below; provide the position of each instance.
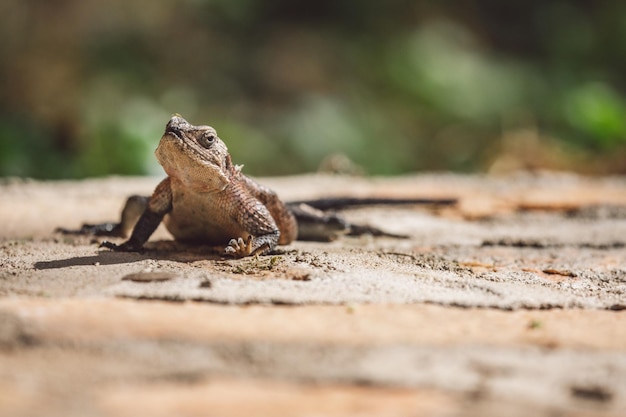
(282, 215)
(261, 234)
(159, 205)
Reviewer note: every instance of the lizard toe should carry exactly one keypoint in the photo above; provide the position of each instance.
(233, 247)
(239, 248)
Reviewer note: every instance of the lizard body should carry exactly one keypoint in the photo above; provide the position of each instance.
(206, 199)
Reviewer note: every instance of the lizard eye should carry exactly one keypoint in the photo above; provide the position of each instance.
(206, 140)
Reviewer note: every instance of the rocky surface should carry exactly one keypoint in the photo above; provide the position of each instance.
(512, 302)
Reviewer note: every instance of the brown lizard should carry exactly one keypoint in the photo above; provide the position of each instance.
(206, 199)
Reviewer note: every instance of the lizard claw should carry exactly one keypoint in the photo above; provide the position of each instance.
(239, 248)
(124, 247)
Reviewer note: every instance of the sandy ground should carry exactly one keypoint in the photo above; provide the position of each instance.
(513, 302)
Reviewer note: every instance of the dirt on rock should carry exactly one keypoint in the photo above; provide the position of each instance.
(509, 302)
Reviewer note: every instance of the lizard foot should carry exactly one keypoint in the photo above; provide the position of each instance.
(124, 247)
(238, 248)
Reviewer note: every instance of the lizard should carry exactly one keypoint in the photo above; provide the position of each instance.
(206, 199)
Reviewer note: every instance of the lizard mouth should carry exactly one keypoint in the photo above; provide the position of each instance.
(177, 133)
(174, 127)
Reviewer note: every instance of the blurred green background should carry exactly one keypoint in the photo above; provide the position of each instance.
(396, 86)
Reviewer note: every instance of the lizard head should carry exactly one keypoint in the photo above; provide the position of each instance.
(194, 155)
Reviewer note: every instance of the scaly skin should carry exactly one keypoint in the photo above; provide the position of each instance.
(206, 199)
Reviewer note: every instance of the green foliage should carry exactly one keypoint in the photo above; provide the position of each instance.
(396, 86)
(599, 113)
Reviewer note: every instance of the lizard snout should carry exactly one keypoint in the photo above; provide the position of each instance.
(176, 125)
